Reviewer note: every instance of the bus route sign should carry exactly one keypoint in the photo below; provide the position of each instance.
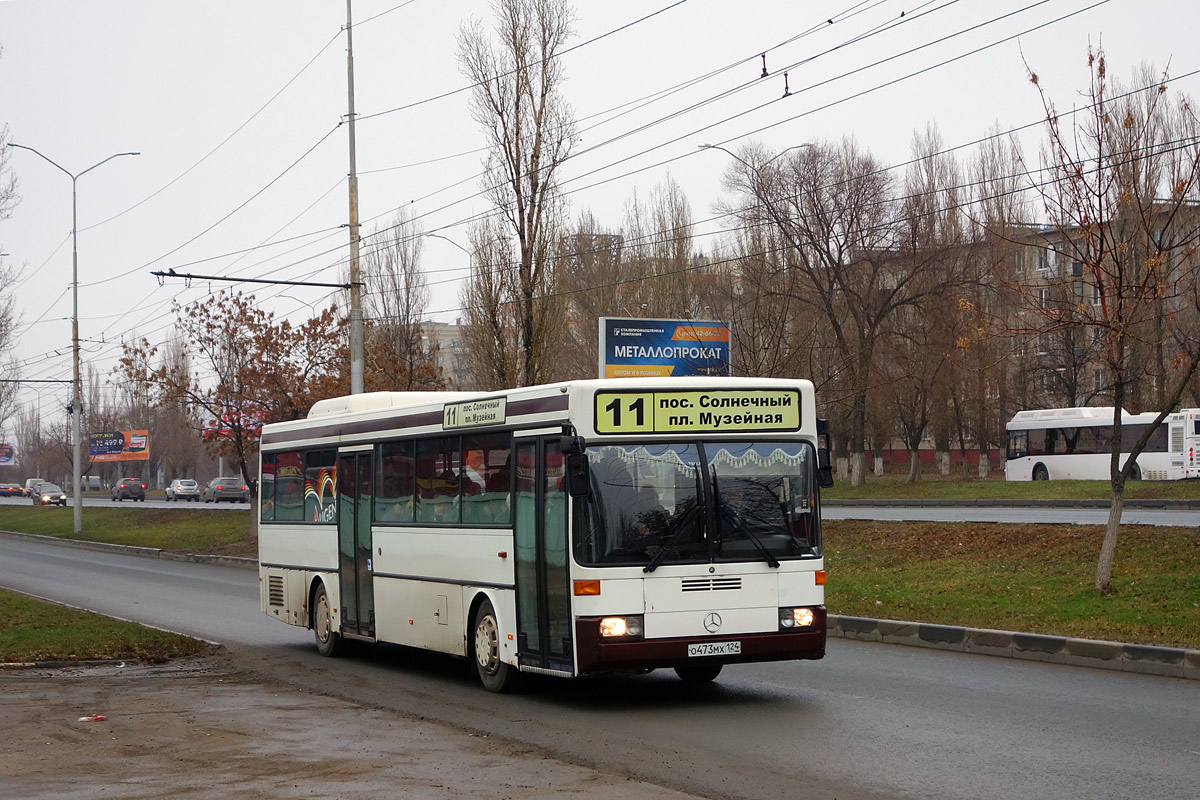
(473, 413)
(711, 411)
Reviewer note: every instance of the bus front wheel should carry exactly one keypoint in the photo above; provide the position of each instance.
(1040, 473)
(494, 674)
(329, 641)
(700, 673)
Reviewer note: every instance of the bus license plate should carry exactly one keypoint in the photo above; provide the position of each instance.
(714, 649)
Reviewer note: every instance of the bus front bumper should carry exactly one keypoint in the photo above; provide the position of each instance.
(596, 654)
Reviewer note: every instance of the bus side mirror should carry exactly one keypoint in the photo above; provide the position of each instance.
(577, 474)
(824, 468)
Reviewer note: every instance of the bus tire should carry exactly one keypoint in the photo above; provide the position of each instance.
(329, 641)
(1136, 473)
(698, 673)
(1040, 473)
(494, 674)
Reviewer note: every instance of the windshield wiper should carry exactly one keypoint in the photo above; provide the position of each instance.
(674, 527)
(739, 525)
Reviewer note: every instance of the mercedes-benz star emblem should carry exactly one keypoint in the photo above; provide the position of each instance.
(712, 622)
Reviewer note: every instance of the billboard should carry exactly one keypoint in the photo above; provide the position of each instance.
(652, 348)
(119, 446)
(8, 455)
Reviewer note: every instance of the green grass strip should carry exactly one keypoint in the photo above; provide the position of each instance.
(34, 630)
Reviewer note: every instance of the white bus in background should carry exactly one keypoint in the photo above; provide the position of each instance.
(1075, 444)
(572, 529)
(1188, 422)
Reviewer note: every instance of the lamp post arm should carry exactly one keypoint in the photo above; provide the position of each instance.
(45, 158)
(105, 161)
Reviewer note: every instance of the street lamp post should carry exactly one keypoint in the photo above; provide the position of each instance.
(77, 392)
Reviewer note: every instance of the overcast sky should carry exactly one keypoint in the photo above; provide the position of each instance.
(236, 109)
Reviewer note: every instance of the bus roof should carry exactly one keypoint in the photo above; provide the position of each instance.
(1088, 416)
(358, 416)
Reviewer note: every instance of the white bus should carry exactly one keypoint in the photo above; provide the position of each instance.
(1075, 444)
(571, 529)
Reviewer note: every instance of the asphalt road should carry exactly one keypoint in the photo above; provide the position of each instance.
(1041, 514)
(869, 721)
(102, 500)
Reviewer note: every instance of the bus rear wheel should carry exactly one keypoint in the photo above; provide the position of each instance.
(494, 674)
(700, 673)
(1040, 473)
(329, 641)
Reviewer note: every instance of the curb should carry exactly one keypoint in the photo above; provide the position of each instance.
(1173, 662)
(142, 552)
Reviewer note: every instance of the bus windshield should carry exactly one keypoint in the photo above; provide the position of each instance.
(693, 502)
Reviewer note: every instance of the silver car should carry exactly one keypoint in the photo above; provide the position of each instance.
(231, 489)
(184, 489)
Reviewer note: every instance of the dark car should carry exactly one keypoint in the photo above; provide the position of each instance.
(133, 488)
(11, 490)
(232, 489)
(48, 494)
(183, 489)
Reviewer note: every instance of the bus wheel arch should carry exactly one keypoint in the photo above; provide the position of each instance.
(484, 646)
(1040, 473)
(320, 621)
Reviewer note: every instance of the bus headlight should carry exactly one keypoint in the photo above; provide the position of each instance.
(621, 627)
(796, 618)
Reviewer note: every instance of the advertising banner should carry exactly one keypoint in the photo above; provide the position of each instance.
(654, 348)
(8, 455)
(119, 446)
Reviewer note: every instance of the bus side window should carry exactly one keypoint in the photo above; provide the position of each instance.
(320, 486)
(394, 500)
(266, 489)
(485, 478)
(288, 497)
(437, 483)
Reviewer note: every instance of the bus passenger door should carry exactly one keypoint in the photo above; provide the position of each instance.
(540, 534)
(354, 543)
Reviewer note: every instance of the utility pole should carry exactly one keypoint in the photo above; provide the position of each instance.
(76, 398)
(356, 314)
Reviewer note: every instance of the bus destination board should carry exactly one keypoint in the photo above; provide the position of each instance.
(712, 411)
(473, 413)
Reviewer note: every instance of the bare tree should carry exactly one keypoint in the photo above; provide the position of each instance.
(1123, 205)
(518, 102)
(836, 208)
(9, 317)
(8, 180)
(593, 278)
(489, 319)
(399, 354)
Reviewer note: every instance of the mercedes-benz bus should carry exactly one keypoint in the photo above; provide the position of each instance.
(571, 529)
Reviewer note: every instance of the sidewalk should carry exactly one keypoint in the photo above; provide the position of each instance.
(202, 730)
